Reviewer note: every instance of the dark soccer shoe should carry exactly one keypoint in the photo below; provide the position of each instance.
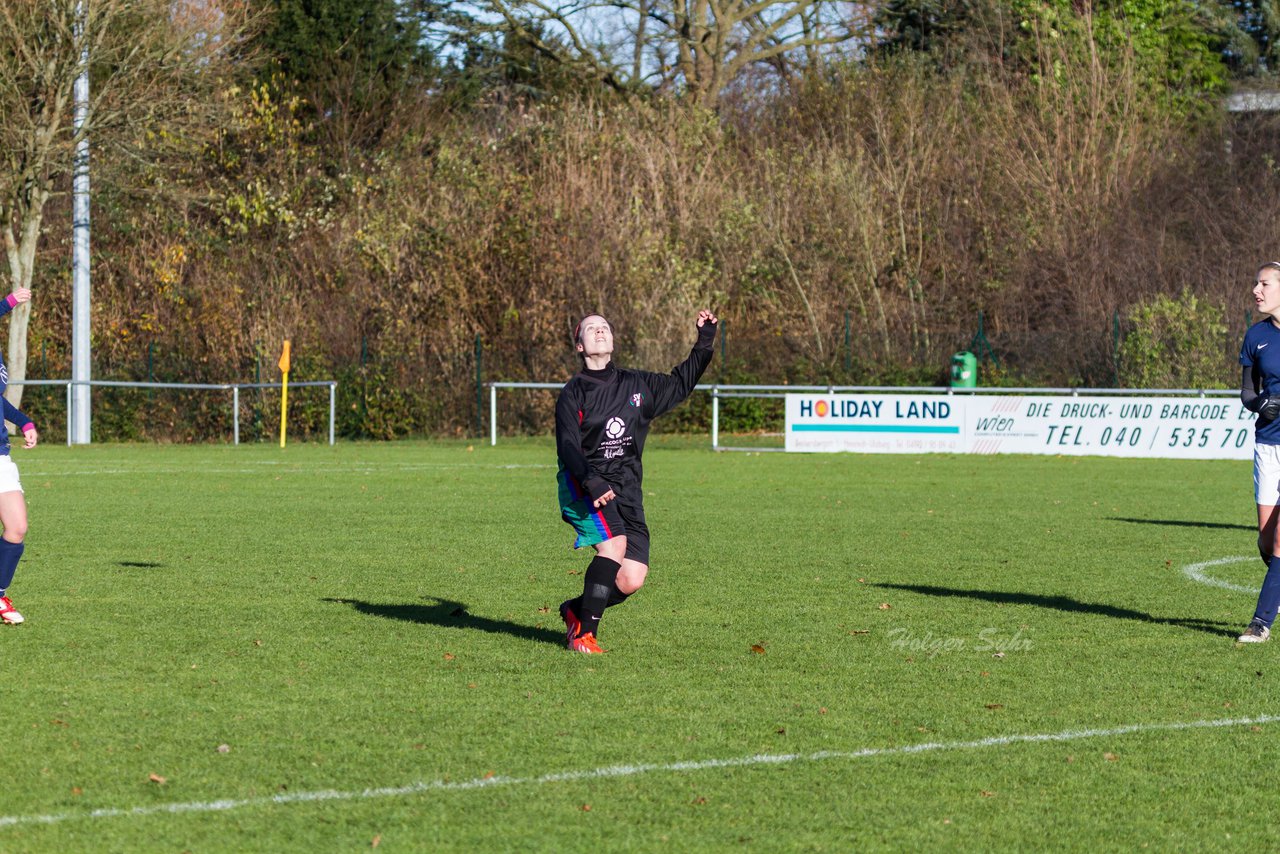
(1256, 633)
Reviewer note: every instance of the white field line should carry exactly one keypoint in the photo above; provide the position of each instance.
(420, 788)
(1196, 572)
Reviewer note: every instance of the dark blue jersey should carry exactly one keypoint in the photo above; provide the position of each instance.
(11, 412)
(1260, 355)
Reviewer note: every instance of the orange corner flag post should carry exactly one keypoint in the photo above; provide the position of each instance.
(284, 389)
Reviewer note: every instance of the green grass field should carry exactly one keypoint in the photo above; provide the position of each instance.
(320, 649)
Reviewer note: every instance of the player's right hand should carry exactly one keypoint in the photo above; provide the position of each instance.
(1270, 408)
(21, 295)
(603, 499)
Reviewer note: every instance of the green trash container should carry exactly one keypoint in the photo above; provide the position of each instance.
(964, 370)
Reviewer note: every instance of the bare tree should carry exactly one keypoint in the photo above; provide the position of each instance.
(155, 67)
(696, 46)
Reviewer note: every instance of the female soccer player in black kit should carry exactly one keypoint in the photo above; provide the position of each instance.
(602, 419)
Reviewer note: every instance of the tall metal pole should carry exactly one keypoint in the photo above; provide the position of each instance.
(80, 361)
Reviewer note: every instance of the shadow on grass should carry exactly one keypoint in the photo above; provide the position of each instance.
(140, 564)
(1179, 523)
(451, 615)
(1067, 604)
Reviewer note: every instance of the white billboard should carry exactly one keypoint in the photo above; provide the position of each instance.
(1173, 427)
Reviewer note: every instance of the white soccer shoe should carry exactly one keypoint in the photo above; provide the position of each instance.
(8, 613)
(1256, 633)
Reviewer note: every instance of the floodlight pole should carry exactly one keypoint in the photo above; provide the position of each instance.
(80, 362)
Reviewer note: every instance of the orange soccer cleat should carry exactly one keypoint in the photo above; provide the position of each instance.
(571, 622)
(586, 644)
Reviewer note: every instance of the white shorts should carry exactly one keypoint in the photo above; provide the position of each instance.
(1266, 474)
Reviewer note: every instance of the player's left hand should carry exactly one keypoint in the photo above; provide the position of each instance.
(705, 316)
(21, 295)
(31, 437)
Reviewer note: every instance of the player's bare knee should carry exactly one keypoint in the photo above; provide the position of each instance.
(614, 548)
(16, 532)
(631, 577)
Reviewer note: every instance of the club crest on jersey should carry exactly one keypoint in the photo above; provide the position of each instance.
(615, 428)
(636, 399)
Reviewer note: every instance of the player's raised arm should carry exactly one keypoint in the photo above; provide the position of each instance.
(15, 299)
(670, 389)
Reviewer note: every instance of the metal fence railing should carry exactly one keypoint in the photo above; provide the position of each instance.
(234, 388)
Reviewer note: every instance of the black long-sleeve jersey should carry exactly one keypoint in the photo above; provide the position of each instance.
(603, 417)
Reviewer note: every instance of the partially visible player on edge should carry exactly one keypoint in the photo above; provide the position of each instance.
(602, 419)
(1260, 393)
(13, 507)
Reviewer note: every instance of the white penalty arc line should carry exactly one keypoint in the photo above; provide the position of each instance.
(1196, 572)
(612, 771)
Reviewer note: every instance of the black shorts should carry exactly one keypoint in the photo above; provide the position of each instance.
(619, 516)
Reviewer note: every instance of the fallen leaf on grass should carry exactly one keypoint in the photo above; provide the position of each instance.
(998, 655)
(448, 656)
(757, 649)
(822, 710)
(884, 606)
(377, 840)
(586, 807)
(987, 794)
(156, 778)
(995, 705)
(699, 801)
(860, 632)
(76, 790)
(782, 730)
(224, 748)
(1110, 757)
(544, 609)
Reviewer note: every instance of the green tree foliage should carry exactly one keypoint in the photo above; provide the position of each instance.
(1175, 342)
(1176, 46)
(1250, 34)
(353, 61)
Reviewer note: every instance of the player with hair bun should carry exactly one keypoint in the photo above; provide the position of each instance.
(602, 419)
(13, 506)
